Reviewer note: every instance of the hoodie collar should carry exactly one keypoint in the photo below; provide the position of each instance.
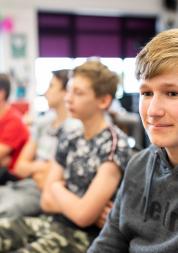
(165, 165)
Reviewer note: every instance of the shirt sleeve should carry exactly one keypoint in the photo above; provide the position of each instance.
(14, 134)
(62, 147)
(35, 131)
(115, 148)
(122, 153)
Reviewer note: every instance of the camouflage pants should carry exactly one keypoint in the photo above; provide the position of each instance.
(40, 235)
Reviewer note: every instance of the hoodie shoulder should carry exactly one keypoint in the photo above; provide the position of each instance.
(139, 160)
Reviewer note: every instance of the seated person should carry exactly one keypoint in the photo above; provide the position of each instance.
(23, 197)
(89, 167)
(144, 216)
(11, 124)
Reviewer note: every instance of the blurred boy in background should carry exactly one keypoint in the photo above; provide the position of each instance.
(13, 133)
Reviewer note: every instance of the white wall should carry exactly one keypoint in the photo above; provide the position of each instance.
(24, 23)
(144, 7)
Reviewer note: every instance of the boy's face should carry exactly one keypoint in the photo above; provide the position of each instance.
(55, 93)
(159, 109)
(81, 100)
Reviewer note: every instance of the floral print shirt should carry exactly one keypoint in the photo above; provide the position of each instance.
(81, 158)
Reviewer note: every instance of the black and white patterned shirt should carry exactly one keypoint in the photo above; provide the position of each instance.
(81, 158)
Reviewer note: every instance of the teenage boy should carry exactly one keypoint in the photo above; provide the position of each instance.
(145, 215)
(23, 197)
(13, 133)
(88, 172)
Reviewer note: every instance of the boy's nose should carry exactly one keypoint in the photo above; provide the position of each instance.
(156, 107)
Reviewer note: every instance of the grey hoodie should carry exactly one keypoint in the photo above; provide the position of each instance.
(144, 218)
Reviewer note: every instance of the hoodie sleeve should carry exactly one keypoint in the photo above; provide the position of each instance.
(110, 238)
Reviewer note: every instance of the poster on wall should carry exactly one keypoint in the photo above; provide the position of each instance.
(20, 79)
(18, 45)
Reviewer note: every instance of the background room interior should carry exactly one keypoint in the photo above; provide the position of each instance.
(38, 36)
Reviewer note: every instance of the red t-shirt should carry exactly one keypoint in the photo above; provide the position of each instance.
(13, 133)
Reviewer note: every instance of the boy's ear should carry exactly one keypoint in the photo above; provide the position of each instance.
(105, 101)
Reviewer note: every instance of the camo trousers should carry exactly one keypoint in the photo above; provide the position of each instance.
(40, 235)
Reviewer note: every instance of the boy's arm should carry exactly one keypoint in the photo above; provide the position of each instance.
(55, 175)
(85, 210)
(48, 203)
(26, 165)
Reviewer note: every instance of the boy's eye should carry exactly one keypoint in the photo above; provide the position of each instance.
(172, 94)
(146, 93)
(79, 93)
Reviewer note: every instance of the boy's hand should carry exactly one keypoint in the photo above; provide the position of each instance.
(103, 216)
(5, 161)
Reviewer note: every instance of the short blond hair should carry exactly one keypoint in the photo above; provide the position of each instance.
(103, 80)
(159, 56)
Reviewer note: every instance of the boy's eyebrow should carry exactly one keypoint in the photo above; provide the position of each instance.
(164, 85)
(143, 86)
(170, 85)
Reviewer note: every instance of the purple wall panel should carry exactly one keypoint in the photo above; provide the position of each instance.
(136, 24)
(67, 35)
(53, 21)
(97, 23)
(104, 46)
(54, 46)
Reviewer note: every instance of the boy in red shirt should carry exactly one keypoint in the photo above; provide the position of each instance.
(13, 132)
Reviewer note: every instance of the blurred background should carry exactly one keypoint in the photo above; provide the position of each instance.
(38, 36)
